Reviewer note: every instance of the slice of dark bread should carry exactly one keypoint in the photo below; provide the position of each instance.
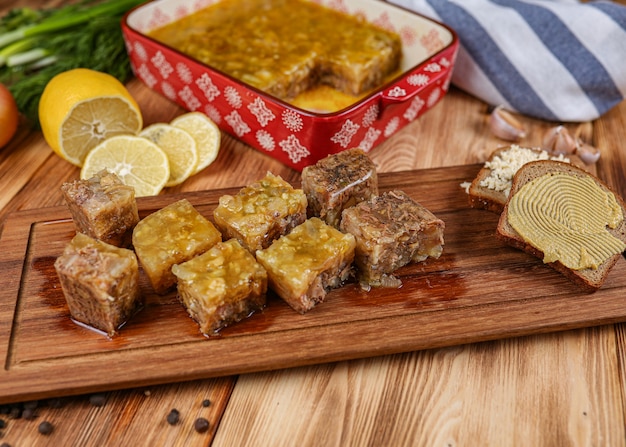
(489, 189)
(588, 279)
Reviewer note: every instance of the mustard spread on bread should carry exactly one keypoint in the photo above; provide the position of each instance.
(566, 217)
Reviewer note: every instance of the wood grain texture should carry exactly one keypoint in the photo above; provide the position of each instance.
(440, 397)
(566, 388)
(126, 417)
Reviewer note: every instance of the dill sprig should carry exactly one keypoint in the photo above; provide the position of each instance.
(36, 45)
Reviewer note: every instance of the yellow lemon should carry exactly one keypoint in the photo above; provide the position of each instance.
(205, 132)
(80, 108)
(136, 160)
(178, 145)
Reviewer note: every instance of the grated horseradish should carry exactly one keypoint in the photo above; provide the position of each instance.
(504, 166)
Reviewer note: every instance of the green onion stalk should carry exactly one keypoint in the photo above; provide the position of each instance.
(36, 45)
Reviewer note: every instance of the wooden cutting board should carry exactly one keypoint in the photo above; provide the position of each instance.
(478, 290)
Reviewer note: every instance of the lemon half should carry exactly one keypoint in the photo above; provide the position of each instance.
(80, 108)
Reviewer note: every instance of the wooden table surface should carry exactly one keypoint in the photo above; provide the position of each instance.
(557, 389)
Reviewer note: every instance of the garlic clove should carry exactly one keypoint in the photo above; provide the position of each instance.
(505, 126)
(586, 152)
(558, 140)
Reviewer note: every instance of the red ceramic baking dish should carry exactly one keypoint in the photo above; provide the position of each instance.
(295, 135)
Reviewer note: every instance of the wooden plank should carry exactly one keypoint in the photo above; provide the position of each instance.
(525, 385)
(126, 418)
(472, 293)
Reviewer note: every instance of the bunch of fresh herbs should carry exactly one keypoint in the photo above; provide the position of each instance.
(37, 44)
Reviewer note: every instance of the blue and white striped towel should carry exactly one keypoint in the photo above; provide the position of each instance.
(558, 60)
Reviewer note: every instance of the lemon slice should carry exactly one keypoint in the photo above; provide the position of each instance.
(205, 132)
(136, 160)
(180, 148)
(80, 108)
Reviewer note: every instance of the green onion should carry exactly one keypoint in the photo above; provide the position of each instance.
(36, 45)
(15, 48)
(27, 57)
(68, 17)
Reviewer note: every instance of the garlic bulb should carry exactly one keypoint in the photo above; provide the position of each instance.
(505, 126)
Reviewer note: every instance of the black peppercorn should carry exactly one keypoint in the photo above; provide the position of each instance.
(3, 423)
(206, 403)
(29, 414)
(45, 428)
(201, 425)
(30, 405)
(173, 417)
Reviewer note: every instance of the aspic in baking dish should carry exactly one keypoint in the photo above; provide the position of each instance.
(299, 131)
